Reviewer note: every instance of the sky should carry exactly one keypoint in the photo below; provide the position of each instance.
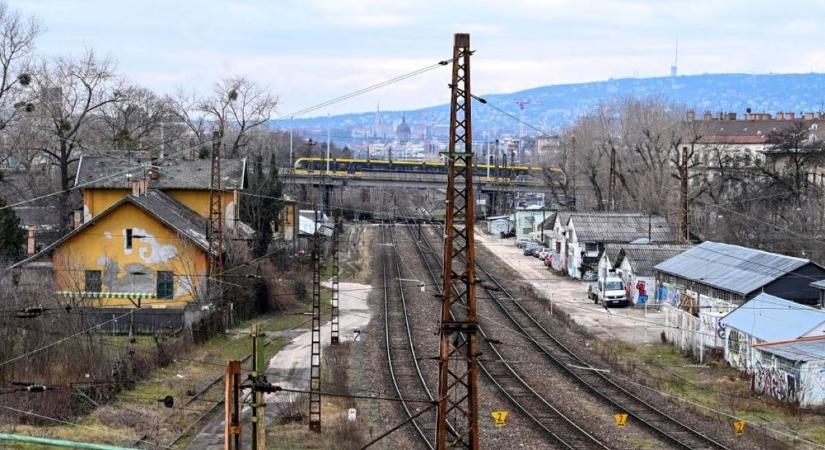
(308, 51)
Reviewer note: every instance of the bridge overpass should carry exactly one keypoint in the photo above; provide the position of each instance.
(407, 180)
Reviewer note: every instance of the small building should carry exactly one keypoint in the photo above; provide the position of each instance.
(588, 233)
(528, 220)
(766, 318)
(792, 371)
(607, 259)
(735, 275)
(146, 249)
(496, 225)
(635, 265)
(558, 241)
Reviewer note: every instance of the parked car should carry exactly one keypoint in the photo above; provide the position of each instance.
(544, 253)
(548, 261)
(536, 251)
(528, 249)
(508, 234)
(523, 241)
(608, 292)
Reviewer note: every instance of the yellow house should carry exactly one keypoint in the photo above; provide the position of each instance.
(105, 180)
(147, 249)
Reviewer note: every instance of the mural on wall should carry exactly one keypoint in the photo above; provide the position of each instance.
(775, 382)
(668, 293)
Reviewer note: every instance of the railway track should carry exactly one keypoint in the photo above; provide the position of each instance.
(561, 430)
(404, 369)
(670, 429)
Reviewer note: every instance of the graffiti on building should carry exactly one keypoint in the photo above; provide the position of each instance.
(668, 293)
(775, 382)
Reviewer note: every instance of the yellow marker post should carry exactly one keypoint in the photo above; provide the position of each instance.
(499, 417)
(739, 427)
(621, 419)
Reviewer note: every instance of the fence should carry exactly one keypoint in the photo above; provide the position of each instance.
(141, 321)
(694, 335)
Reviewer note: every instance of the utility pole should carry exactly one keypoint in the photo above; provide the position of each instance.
(258, 406)
(215, 225)
(573, 171)
(315, 357)
(315, 348)
(611, 193)
(335, 287)
(458, 367)
(684, 230)
(232, 406)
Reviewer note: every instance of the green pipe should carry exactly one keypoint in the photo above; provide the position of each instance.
(59, 442)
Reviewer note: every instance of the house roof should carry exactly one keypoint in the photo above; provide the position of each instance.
(42, 217)
(161, 206)
(643, 257)
(612, 251)
(106, 172)
(732, 268)
(619, 227)
(770, 318)
(802, 349)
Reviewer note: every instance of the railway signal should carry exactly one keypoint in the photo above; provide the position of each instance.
(458, 365)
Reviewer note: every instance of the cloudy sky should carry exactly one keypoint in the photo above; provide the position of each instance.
(307, 51)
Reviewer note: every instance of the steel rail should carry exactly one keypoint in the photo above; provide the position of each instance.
(429, 440)
(576, 432)
(583, 370)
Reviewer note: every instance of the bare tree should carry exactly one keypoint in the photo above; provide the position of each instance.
(237, 106)
(17, 35)
(69, 91)
(140, 121)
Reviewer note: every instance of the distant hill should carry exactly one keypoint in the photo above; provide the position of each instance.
(560, 104)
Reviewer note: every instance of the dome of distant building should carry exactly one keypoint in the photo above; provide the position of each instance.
(402, 131)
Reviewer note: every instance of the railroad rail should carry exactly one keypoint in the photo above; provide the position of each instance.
(406, 379)
(597, 382)
(558, 426)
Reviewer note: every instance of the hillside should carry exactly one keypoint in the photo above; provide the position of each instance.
(561, 103)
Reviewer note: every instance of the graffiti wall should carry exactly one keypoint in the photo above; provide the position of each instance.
(668, 294)
(777, 383)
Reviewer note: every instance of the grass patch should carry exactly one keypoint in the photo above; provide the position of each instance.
(716, 385)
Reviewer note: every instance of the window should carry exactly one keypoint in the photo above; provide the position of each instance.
(165, 284)
(93, 281)
(128, 239)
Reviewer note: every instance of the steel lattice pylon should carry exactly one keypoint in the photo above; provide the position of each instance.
(215, 230)
(334, 338)
(458, 369)
(315, 358)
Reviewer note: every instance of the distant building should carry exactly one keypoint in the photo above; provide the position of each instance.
(402, 131)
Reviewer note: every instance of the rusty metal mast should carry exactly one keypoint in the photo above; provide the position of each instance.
(215, 230)
(334, 312)
(458, 368)
(315, 355)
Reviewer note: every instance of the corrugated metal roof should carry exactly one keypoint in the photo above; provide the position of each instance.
(620, 227)
(644, 257)
(177, 174)
(771, 318)
(740, 270)
(798, 350)
(819, 284)
(612, 251)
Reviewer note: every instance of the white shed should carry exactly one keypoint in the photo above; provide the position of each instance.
(499, 224)
(792, 371)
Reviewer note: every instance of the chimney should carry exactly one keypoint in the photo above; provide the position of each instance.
(192, 148)
(154, 172)
(790, 116)
(707, 116)
(30, 247)
(77, 217)
(690, 116)
(136, 188)
(732, 116)
(780, 115)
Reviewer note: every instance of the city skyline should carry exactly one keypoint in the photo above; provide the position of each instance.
(356, 43)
